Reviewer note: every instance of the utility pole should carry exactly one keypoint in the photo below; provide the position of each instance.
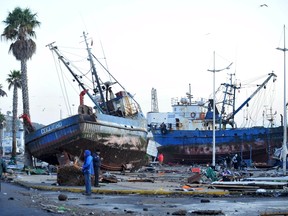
(214, 136)
(284, 144)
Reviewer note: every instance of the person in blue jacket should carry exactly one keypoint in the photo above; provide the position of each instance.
(87, 170)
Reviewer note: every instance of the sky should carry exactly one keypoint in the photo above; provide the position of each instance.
(161, 44)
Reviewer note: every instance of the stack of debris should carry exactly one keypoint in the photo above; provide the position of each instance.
(70, 175)
(249, 184)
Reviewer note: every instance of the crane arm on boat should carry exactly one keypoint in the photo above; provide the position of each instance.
(249, 98)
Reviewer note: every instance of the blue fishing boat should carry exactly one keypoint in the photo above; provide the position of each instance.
(114, 124)
(185, 135)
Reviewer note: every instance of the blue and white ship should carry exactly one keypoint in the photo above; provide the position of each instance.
(115, 124)
(185, 135)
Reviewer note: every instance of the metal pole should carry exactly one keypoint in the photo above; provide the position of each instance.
(214, 108)
(214, 140)
(284, 144)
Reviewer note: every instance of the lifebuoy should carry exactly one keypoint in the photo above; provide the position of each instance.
(193, 114)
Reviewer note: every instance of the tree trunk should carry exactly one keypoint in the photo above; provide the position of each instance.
(25, 98)
(14, 122)
(1, 137)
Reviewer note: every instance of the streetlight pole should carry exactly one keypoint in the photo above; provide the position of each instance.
(214, 107)
(284, 144)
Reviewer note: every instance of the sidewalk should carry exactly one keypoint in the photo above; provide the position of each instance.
(124, 186)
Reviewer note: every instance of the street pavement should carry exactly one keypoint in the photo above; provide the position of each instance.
(133, 194)
(144, 199)
(15, 200)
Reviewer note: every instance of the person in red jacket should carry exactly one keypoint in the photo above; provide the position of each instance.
(160, 158)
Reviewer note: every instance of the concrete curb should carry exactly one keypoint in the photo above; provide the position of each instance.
(123, 192)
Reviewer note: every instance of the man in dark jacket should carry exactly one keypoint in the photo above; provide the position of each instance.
(96, 164)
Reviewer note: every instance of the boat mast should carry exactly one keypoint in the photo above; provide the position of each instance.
(230, 90)
(61, 58)
(284, 144)
(94, 72)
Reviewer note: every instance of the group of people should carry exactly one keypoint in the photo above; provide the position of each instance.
(234, 161)
(91, 166)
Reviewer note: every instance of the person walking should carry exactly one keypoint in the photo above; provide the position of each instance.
(87, 170)
(96, 165)
(235, 162)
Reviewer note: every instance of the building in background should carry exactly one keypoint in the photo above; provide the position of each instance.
(7, 136)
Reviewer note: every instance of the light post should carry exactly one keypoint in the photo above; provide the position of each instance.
(284, 144)
(214, 137)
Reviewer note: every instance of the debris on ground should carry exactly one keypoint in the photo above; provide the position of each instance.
(278, 213)
(70, 175)
(62, 197)
(109, 178)
(141, 180)
(194, 178)
(207, 212)
(259, 180)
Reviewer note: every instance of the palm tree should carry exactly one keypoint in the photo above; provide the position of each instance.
(14, 80)
(2, 92)
(19, 29)
(2, 122)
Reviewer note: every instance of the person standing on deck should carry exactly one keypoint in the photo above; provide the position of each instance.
(87, 170)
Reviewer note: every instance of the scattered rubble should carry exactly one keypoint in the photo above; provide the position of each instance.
(70, 175)
(262, 180)
(207, 212)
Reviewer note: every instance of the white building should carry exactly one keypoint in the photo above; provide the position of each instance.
(7, 136)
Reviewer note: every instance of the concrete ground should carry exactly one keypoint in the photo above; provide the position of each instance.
(149, 198)
(123, 186)
(160, 191)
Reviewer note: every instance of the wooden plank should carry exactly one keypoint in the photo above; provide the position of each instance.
(271, 179)
(235, 187)
(274, 213)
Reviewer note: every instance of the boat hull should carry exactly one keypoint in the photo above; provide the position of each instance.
(121, 142)
(195, 146)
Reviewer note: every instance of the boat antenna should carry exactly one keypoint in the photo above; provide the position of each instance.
(94, 72)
